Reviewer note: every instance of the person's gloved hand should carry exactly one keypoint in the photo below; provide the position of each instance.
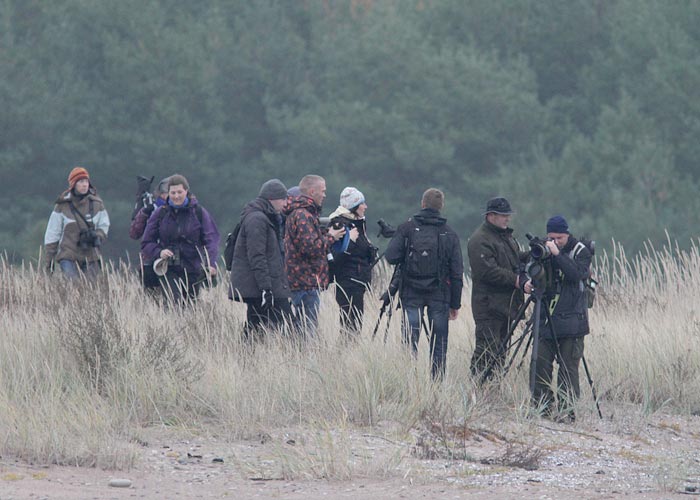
(148, 204)
(268, 300)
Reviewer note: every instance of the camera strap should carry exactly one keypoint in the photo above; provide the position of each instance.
(78, 214)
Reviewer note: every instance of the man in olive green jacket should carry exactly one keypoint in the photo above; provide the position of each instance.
(495, 258)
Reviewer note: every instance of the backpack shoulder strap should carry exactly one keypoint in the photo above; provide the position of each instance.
(576, 250)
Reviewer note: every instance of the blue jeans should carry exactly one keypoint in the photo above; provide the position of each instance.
(73, 270)
(306, 304)
(437, 326)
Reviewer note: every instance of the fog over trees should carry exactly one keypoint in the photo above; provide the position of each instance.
(587, 108)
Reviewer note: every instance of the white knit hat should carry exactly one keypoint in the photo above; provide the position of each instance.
(351, 197)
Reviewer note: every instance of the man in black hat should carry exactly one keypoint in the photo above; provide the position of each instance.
(495, 259)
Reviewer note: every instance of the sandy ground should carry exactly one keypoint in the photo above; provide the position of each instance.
(628, 456)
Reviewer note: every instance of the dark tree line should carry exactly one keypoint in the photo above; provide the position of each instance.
(587, 108)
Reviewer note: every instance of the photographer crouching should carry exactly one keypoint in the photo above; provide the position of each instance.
(565, 264)
(352, 259)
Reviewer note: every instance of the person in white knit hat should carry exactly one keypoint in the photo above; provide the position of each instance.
(352, 259)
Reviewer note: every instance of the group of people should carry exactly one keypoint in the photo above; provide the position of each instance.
(283, 257)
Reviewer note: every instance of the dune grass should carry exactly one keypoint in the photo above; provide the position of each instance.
(84, 369)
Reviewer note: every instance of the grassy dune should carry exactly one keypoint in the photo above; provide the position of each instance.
(84, 371)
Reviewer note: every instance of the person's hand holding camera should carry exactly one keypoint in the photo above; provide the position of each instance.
(336, 233)
(166, 253)
(553, 248)
(148, 204)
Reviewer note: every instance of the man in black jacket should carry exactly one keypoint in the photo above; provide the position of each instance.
(562, 338)
(258, 277)
(428, 251)
(495, 259)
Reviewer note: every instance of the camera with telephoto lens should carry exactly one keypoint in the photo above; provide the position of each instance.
(538, 247)
(89, 239)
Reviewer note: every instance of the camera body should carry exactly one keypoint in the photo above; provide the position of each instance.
(89, 238)
(342, 222)
(175, 259)
(538, 247)
(539, 266)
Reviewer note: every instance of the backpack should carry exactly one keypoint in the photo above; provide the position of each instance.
(589, 282)
(423, 259)
(231, 245)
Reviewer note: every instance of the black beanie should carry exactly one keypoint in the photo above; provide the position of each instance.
(273, 190)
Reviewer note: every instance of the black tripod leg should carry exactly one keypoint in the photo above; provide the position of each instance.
(503, 348)
(379, 320)
(590, 382)
(535, 344)
(389, 314)
(528, 331)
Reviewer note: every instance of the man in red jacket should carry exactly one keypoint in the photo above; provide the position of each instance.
(307, 246)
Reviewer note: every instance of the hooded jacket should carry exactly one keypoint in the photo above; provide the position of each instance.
(495, 259)
(450, 260)
(62, 236)
(258, 263)
(306, 245)
(180, 229)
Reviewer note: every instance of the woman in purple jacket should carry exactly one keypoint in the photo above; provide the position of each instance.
(184, 235)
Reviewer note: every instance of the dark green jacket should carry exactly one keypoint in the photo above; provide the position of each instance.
(494, 257)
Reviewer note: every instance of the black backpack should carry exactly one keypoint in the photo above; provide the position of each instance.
(422, 269)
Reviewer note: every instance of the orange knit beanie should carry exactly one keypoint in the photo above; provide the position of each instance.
(75, 175)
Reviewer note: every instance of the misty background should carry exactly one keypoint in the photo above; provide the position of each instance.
(589, 109)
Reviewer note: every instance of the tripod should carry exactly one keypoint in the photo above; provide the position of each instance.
(531, 336)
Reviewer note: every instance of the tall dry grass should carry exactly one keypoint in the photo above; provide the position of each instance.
(84, 369)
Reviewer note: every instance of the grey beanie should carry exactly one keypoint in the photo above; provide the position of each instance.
(162, 186)
(273, 190)
(351, 197)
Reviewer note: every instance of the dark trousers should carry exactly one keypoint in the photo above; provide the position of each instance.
(567, 354)
(181, 286)
(149, 279)
(489, 351)
(259, 320)
(351, 300)
(438, 327)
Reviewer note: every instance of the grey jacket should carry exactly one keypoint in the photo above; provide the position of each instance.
(258, 263)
